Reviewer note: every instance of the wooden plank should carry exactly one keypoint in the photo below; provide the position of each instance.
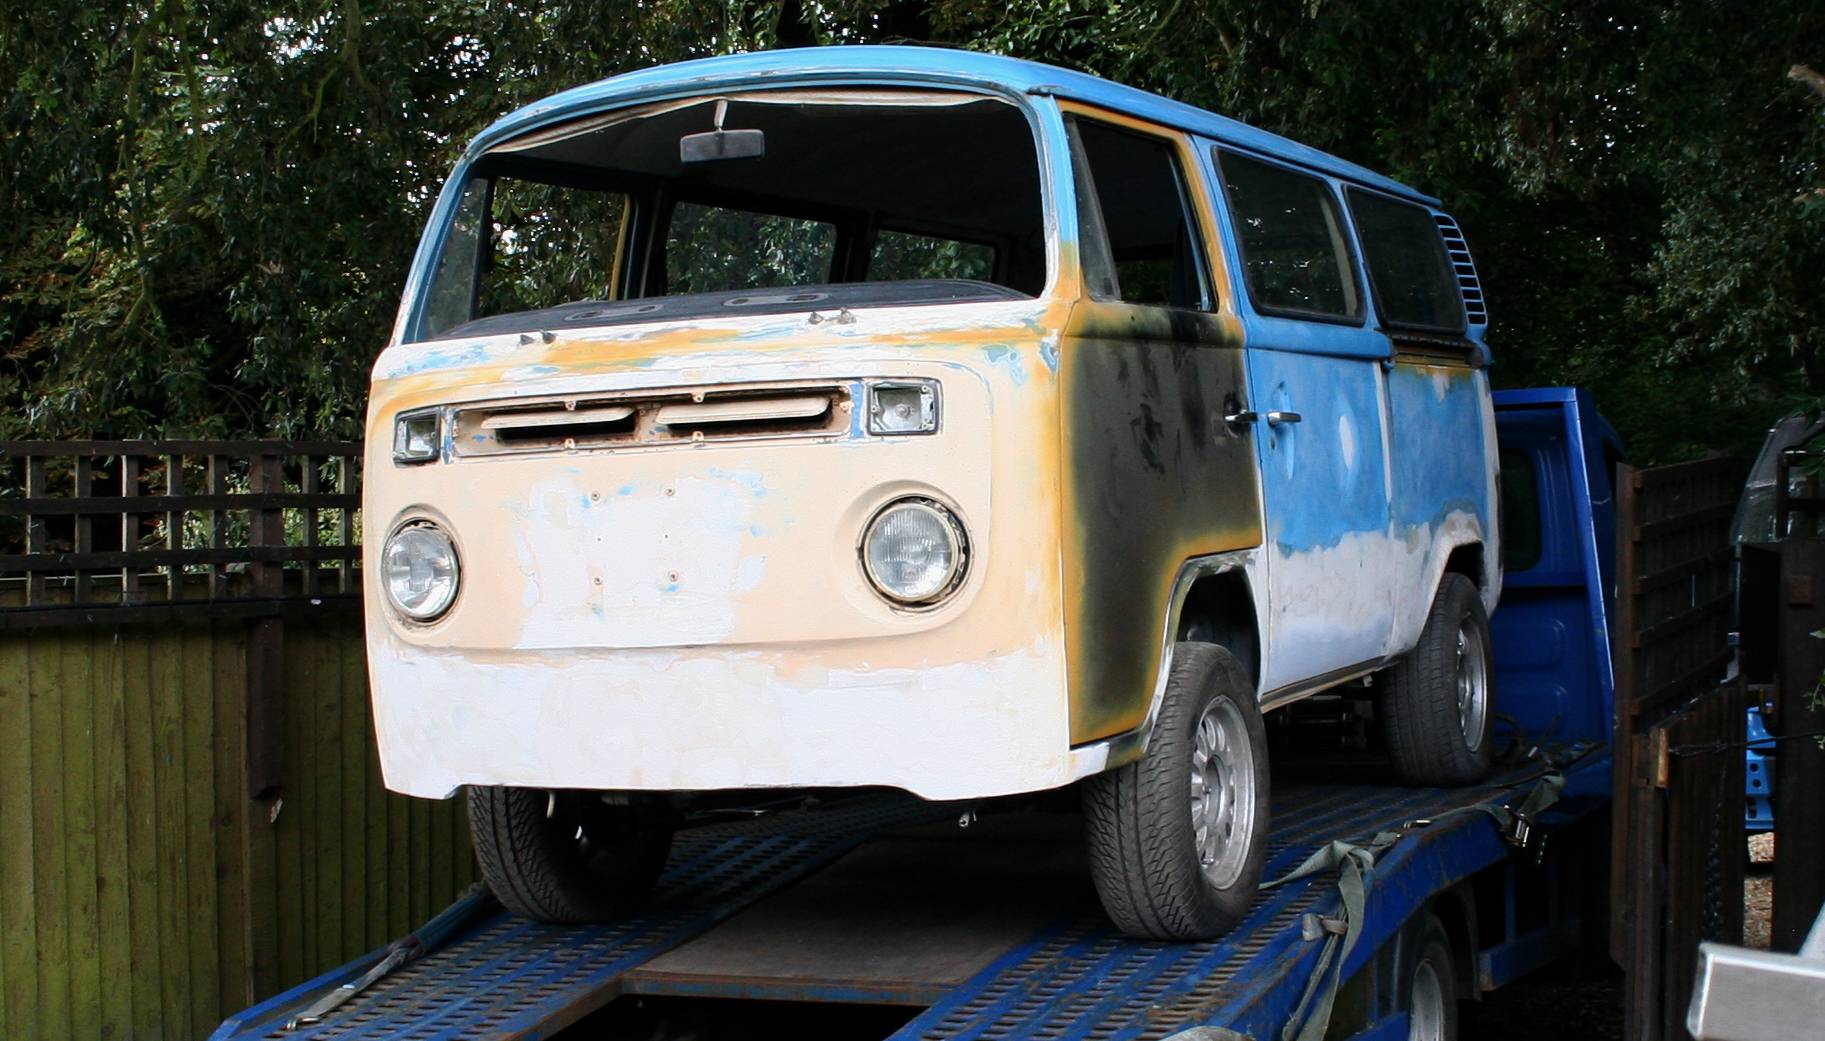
(78, 682)
(85, 526)
(34, 528)
(288, 903)
(379, 856)
(167, 695)
(326, 685)
(174, 535)
(144, 928)
(155, 447)
(228, 650)
(199, 694)
(38, 563)
(352, 834)
(18, 860)
(113, 806)
(106, 505)
(399, 845)
(129, 523)
(50, 842)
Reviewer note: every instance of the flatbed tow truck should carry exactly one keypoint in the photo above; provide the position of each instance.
(882, 905)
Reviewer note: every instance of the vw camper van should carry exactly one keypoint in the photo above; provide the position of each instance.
(883, 416)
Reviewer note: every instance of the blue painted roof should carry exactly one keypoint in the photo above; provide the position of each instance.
(925, 65)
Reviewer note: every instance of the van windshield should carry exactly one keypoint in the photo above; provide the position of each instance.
(805, 201)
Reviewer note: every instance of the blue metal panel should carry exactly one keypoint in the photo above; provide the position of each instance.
(1758, 777)
(1552, 629)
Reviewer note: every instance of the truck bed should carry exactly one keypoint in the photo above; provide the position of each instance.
(991, 930)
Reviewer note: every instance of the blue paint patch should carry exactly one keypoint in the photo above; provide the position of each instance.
(625, 490)
(1008, 359)
(1326, 494)
(438, 358)
(753, 482)
(1048, 353)
(530, 372)
(1440, 461)
(669, 587)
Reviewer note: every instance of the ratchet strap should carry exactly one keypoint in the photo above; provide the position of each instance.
(1354, 863)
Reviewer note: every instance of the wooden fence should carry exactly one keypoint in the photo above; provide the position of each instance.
(1677, 833)
(191, 814)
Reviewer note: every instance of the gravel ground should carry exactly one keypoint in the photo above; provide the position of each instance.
(1758, 892)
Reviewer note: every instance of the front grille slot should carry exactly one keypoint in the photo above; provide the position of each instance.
(652, 418)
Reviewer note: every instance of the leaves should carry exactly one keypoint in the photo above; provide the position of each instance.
(212, 203)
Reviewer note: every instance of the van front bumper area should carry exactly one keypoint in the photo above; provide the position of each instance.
(721, 718)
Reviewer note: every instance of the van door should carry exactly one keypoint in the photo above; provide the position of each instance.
(1441, 422)
(1152, 475)
(1317, 408)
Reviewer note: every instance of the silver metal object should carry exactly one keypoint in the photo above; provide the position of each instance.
(1240, 416)
(1745, 995)
(1222, 792)
(1281, 417)
(1426, 1008)
(1472, 685)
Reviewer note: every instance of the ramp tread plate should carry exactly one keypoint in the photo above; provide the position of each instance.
(510, 977)
(1081, 980)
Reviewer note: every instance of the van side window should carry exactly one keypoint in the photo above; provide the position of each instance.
(1409, 270)
(1138, 197)
(1295, 257)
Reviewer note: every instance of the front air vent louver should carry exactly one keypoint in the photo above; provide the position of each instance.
(1474, 309)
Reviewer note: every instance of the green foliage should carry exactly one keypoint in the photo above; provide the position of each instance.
(212, 203)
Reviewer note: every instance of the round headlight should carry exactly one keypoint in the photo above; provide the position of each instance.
(913, 551)
(419, 569)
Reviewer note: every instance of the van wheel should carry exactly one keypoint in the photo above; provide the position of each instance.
(565, 856)
(1438, 708)
(1431, 987)
(1178, 837)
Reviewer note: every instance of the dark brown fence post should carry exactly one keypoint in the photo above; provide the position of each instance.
(266, 635)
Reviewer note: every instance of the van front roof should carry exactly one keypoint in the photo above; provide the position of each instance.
(934, 65)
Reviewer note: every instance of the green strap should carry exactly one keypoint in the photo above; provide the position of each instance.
(1355, 867)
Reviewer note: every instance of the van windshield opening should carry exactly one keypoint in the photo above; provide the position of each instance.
(857, 198)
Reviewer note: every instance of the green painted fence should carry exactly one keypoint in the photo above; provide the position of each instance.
(144, 894)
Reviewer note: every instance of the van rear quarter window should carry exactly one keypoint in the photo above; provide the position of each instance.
(1414, 283)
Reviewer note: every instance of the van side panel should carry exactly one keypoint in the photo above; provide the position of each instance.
(1152, 476)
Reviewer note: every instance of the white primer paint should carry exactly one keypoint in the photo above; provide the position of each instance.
(684, 720)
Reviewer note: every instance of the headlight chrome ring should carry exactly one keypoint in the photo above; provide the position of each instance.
(914, 552)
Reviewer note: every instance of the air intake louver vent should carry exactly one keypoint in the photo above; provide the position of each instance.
(1474, 308)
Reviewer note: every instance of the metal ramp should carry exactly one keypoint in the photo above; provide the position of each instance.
(761, 908)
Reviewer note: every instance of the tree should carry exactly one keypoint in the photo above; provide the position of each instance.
(214, 201)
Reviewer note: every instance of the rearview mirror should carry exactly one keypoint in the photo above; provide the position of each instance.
(713, 145)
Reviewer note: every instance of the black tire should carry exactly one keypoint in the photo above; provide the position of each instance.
(1138, 821)
(1429, 985)
(584, 861)
(1420, 714)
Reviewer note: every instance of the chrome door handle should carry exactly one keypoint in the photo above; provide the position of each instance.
(1240, 416)
(1278, 417)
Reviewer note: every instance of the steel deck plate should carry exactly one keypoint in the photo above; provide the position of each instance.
(506, 977)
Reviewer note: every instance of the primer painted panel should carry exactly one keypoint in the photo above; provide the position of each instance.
(1153, 477)
(680, 617)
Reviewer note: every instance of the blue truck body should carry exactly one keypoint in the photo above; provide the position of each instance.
(773, 894)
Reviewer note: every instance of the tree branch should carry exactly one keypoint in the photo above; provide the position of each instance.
(1805, 74)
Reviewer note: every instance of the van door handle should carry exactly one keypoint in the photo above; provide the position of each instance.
(1278, 417)
(1241, 416)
